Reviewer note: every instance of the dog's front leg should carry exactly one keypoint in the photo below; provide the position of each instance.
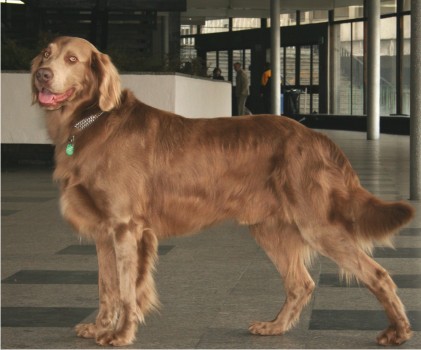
(109, 293)
(124, 330)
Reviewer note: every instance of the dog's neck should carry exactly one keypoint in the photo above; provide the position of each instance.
(61, 122)
(79, 126)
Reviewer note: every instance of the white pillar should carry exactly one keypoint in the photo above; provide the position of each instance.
(415, 137)
(275, 56)
(373, 55)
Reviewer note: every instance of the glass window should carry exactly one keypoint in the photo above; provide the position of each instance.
(342, 69)
(308, 17)
(388, 66)
(348, 69)
(406, 73)
(217, 59)
(305, 65)
(357, 62)
(187, 49)
(211, 62)
(188, 29)
(223, 63)
(216, 26)
(406, 5)
(289, 74)
(245, 23)
(388, 6)
(349, 12)
(244, 57)
(286, 19)
(237, 56)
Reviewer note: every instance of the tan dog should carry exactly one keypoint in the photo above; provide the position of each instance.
(131, 174)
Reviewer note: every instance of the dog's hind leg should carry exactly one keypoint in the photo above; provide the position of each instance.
(146, 296)
(108, 291)
(341, 247)
(289, 252)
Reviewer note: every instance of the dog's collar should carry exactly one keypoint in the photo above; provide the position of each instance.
(81, 125)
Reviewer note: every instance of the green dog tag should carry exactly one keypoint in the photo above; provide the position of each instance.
(70, 149)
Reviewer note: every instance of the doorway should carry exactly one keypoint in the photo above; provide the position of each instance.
(304, 55)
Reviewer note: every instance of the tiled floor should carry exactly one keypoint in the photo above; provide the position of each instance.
(211, 285)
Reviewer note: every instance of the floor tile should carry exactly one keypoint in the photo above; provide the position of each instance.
(52, 277)
(402, 281)
(362, 320)
(43, 316)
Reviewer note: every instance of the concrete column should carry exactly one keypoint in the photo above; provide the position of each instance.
(275, 56)
(373, 55)
(415, 137)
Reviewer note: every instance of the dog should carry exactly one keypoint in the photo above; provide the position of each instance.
(130, 174)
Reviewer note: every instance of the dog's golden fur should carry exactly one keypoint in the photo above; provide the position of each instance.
(139, 174)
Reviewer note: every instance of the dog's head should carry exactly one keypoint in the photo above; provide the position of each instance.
(70, 71)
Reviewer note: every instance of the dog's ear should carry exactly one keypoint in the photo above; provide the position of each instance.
(108, 81)
(36, 62)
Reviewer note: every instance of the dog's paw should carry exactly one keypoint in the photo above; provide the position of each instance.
(110, 338)
(265, 328)
(86, 330)
(394, 335)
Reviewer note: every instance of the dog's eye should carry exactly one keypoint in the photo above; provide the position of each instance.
(46, 54)
(73, 59)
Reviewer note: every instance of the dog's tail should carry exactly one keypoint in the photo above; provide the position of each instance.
(376, 219)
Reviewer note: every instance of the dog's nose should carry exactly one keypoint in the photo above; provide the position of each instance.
(44, 74)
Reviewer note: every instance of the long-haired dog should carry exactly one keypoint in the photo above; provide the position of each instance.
(130, 174)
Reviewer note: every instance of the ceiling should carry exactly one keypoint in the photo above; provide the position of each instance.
(200, 10)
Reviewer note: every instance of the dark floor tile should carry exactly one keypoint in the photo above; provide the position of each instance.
(383, 193)
(82, 249)
(43, 316)
(5, 212)
(402, 281)
(362, 320)
(164, 249)
(26, 199)
(397, 253)
(91, 250)
(52, 277)
(410, 232)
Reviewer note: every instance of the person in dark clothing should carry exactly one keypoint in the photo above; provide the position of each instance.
(217, 74)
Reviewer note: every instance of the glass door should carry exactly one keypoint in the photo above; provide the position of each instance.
(300, 79)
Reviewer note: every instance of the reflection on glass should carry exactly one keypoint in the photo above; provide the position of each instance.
(289, 73)
(388, 66)
(406, 74)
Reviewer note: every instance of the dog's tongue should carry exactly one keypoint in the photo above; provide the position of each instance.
(46, 96)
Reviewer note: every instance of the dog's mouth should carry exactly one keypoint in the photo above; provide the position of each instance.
(49, 99)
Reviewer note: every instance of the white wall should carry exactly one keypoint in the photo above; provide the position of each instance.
(191, 97)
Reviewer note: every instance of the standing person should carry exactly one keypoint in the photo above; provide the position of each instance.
(241, 89)
(217, 74)
(265, 88)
